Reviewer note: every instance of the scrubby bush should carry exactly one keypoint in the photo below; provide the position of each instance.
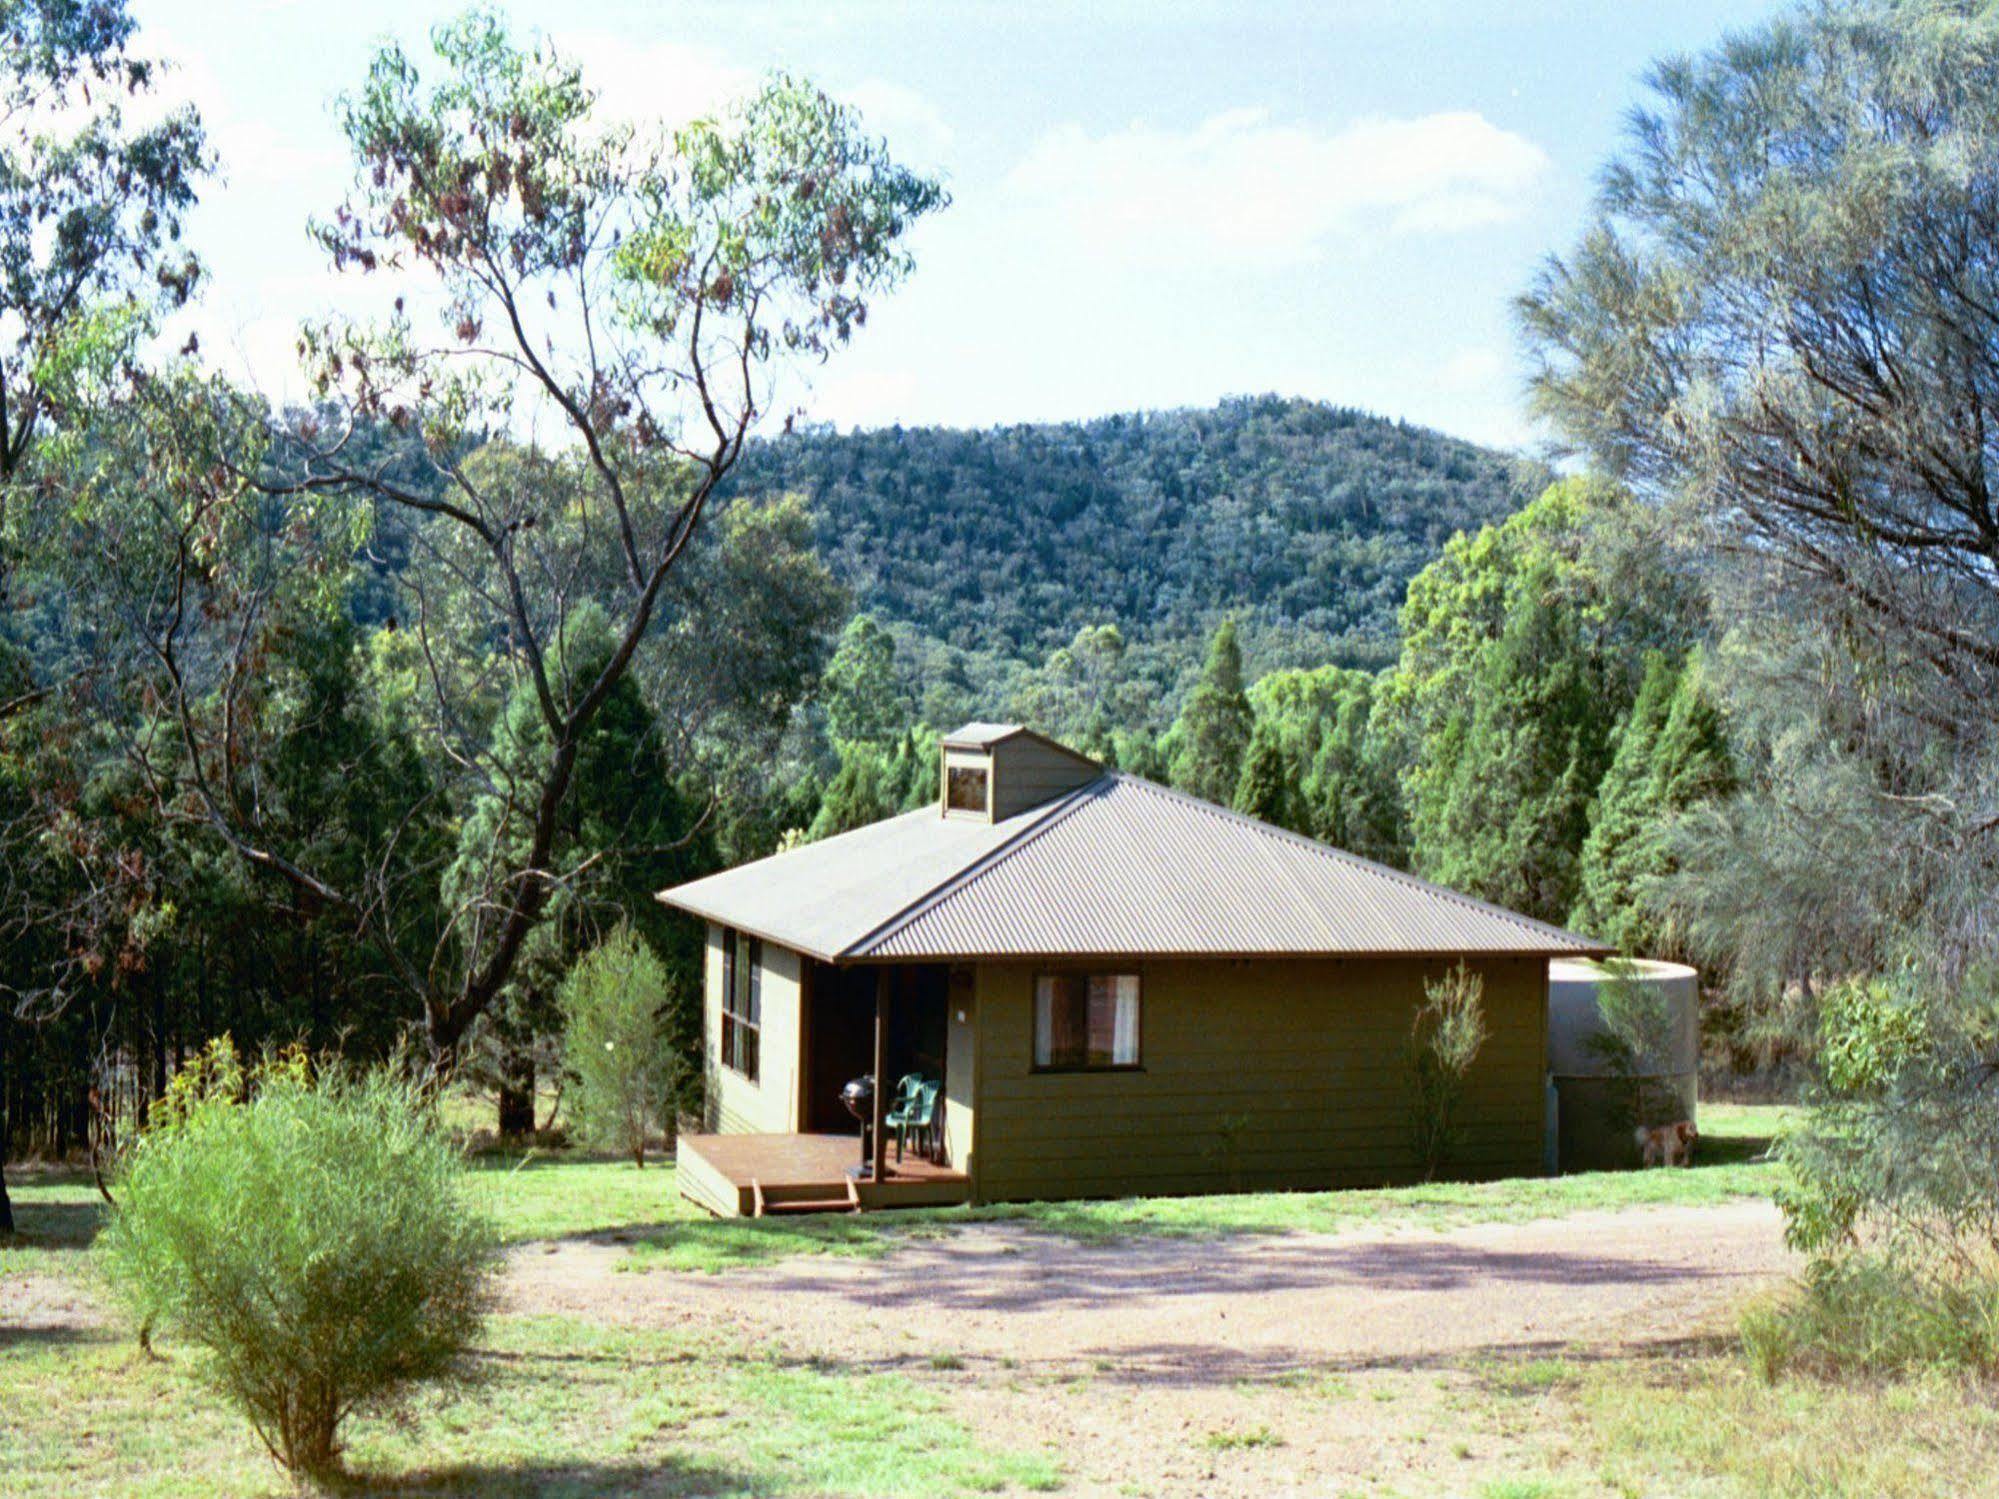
(1448, 1034)
(1634, 1046)
(1871, 1314)
(305, 1225)
(628, 1077)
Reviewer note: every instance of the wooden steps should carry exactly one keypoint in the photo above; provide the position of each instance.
(752, 1175)
(804, 1197)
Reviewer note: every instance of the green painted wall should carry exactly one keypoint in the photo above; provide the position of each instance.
(1255, 1075)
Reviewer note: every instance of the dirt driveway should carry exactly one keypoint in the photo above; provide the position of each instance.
(1233, 1365)
(1227, 1307)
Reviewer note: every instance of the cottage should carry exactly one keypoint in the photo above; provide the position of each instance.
(1096, 987)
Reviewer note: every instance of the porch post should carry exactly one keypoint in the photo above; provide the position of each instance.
(880, 1161)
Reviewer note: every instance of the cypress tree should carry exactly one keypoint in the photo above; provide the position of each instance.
(1672, 753)
(1214, 727)
(1268, 787)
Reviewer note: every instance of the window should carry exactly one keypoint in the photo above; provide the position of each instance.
(742, 1002)
(1085, 1021)
(965, 788)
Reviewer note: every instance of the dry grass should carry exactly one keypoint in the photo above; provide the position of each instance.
(1705, 1425)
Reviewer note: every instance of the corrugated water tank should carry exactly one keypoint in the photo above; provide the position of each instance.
(1599, 1101)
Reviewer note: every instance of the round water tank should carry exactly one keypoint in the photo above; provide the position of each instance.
(1601, 1100)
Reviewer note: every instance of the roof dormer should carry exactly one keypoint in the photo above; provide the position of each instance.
(991, 771)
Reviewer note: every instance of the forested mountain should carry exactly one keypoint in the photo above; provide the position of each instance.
(1305, 521)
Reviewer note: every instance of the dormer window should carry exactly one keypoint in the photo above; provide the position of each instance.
(966, 788)
(993, 771)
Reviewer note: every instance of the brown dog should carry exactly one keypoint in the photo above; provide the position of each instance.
(1667, 1144)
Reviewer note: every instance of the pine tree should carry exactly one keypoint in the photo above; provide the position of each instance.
(1214, 726)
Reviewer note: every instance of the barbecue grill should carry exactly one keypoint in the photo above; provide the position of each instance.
(859, 1097)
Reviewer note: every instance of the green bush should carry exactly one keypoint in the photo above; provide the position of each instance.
(1870, 1314)
(307, 1228)
(1448, 1034)
(614, 1006)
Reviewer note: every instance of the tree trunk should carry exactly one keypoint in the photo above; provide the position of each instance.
(517, 1092)
(6, 1207)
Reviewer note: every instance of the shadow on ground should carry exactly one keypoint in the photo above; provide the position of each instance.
(1206, 1365)
(580, 1480)
(1082, 1278)
(55, 1225)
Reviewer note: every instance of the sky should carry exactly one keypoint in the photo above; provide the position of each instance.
(1154, 204)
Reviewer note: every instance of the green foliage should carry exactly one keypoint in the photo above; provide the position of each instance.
(859, 688)
(1899, 1144)
(1521, 645)
(875, 782)
(1347, 766)
(1085, 694)
(990, 551)
(615, 1007)
(1444, 1041)
(308, 1229)
(1778, 325)
(91, 205)
(1865, 1316)
(1672, 754)
(1211, 736)
(1267, 788)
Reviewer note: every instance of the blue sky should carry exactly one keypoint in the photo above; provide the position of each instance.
(1156, 204)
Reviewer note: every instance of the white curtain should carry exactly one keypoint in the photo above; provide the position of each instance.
(1044, 1021)
(1124, 1035)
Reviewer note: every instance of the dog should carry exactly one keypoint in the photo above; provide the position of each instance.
(1667, 1144)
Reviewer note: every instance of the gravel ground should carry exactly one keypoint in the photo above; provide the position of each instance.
(1359, 1361)
(1201, 1310)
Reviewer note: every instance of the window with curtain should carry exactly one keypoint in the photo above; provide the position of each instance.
(1085, 1021)
(742, 1002)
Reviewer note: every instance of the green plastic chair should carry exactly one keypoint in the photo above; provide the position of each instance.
(916, 1115)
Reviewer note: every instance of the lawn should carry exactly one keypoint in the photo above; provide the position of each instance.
(1733, 1163)
(556, 1406)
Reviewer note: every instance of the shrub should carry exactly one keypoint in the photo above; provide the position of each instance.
(1445, 1040)
(628, 1077)
(1636, 1043)
(306, 1227)
(1876, 1314)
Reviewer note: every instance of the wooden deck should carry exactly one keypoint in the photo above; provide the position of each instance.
(743, 1176)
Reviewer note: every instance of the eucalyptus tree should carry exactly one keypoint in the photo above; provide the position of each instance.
(91, 205)
(91, 201)
(1784, 319)
(580, 323)
(621, 300)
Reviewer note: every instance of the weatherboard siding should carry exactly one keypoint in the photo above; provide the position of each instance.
(769, 1105)
(1254, 1075)
(1027, 772)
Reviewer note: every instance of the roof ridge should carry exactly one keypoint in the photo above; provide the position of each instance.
(1386, 871)
(1052, 812)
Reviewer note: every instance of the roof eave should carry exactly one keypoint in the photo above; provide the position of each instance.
(736, 923)
(1272, 955)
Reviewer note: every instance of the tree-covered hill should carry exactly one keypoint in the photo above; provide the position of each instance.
(1304, 520)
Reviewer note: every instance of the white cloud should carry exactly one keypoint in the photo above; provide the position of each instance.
(672, 82)
(1242, 190)
(916, 133)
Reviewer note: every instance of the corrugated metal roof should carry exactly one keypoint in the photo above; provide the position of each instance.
(976, 735)
(824, 897)
(1120, 867)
